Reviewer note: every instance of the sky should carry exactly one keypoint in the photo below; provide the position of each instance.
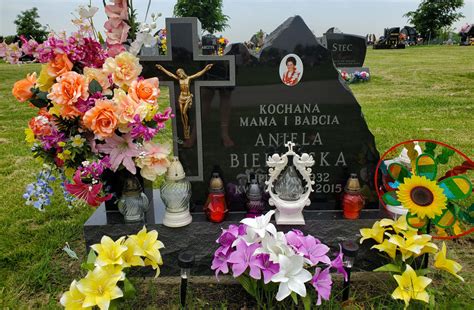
(246, 16)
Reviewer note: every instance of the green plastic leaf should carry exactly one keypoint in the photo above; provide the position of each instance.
(422, 272)
(94, 87)
(307, 301)
(39, 103)
(247, 285)
(128, 289)
(389, 268)
(87, 266)
(294, 297)
(114, 304)
(91, 257)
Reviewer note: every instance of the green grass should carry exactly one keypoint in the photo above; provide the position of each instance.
(423, 92)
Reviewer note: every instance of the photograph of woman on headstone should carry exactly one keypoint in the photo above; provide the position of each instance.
(291, 69)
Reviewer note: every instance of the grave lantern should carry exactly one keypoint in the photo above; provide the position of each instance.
(176, 193)
(216, 207)
(285, 187)
(255, 204)
(352, 201)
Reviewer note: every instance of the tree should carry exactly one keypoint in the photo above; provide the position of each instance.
(27, 25)
(209, 12)
(432, 15)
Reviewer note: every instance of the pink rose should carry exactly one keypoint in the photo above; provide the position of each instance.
(117, 10)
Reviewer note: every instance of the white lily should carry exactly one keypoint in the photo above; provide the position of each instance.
(275, 246)
(292, 276)
(261, 224)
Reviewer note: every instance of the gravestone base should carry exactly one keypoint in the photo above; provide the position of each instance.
(199, 237)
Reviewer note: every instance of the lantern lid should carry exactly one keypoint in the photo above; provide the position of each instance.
(216, 185)
(353, 185)
(175, 170)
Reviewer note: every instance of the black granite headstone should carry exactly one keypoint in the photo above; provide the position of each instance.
(347, 50)
(243, 110)
(237, 123)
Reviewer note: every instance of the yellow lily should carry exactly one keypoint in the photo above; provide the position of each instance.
(400, 225)
(387, 247)
(411, 243)
(100, 286)
(133, 255)
(449, 265)
(149, 243)
(109, 252)
(376, 233)
(73, 299)
(411, 286)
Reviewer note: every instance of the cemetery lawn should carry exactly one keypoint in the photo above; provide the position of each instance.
(422, 92)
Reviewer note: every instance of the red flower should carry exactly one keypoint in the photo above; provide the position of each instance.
(91, 193)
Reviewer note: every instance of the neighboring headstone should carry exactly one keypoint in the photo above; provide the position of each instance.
(347, 50)
(245, 108)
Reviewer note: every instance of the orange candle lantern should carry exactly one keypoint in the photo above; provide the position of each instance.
(216, 207)
(352, 200)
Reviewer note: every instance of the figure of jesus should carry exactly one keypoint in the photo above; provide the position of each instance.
(185, 99)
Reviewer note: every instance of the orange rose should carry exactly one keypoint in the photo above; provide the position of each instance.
(70, 86)
(22, 88)
(59, 65)
(145, 90)
(101, 119)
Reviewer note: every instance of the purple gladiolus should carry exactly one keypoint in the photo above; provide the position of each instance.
(243, 258)
(268, 267)
(322, 283)
(338, 264)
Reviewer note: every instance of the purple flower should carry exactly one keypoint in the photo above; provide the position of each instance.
(314, 250)
(338, 263)
(52, 140)
(267, 267)
(161, 118)
(219, 263)
(322, 283)
(294, 237)
(229, 235)
(141, 131)
(243, 257)
(308, 246)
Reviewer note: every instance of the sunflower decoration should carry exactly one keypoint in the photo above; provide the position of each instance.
(426, 198)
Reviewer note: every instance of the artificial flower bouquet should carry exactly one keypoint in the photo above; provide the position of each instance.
(96, 115)
(271, 265)
(106, 282)
(358, 76)
(93, 119)
(408, 251)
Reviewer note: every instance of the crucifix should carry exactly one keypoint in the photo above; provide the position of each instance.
(184, 57)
